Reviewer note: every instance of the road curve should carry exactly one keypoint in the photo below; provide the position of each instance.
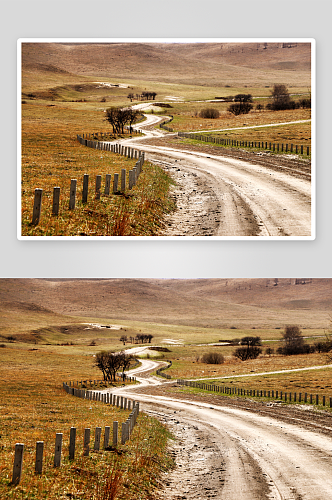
(263, 458)
(253, 200)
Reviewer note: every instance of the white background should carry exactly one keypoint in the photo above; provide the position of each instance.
(162, 19)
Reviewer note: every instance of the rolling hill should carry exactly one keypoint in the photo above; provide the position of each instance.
(206, 64)
(244, 303)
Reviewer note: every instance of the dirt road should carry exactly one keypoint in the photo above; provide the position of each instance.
(240, 450)
(226, 196)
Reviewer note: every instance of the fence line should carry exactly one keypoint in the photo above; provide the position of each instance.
(258, 393)
(270, 146)
(107, 398)
(163, 124)
(160, 370)
(115, 148)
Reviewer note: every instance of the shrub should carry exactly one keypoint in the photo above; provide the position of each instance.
(240, 108)
(213, 358)
(209, 113)
(245, 353)
(305, 103)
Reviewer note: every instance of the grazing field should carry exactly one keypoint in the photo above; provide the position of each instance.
(34, 407)
(51, 156)
(66, 88)
(43, 344)
(183, 122)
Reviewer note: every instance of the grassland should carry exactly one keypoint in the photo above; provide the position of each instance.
(51, 156)
(188, 120)
(33, 407)
(56, 106)
(40, 349)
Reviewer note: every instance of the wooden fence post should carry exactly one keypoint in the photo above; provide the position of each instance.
(56, 201)
(97, 439)
(39, 457)
(131, 179)
(107, 437)
(72, 441)
(115, 433)
(18, 462)
(86, 443)
(115, 183)
(85, 188)
(123, 433)
(108, 183)
(123, 180)
(58, 448)
(72, 197)
(98, 186)
(37, 206)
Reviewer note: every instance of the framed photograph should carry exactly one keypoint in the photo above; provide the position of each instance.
(166, 139)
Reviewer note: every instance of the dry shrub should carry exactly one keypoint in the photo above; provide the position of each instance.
(209, 113)
(212, 358)
(113, 480)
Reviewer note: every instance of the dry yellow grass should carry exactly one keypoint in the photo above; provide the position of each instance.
(185, 123)
(34, 407)
(52, 156)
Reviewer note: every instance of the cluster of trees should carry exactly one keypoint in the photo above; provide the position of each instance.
(242, 104)
(144, 96)
(250, 348)
(294, 343)
(141, 338)
(120, 117)
(281, 100)
(111, 362)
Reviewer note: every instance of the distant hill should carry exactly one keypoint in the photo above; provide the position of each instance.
(211, 64)
(207, 302)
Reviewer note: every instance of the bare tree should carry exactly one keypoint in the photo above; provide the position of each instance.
(242, 104)
(251, 349)
(293, 341)
(123, 339)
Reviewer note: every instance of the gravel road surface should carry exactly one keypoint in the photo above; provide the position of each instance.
(219, 193)
(238, 448)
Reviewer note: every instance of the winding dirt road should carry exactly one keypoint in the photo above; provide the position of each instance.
(226, 196)
(239, 451)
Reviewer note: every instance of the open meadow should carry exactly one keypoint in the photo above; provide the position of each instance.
(42, 346)
(65, 90)
(34, 407)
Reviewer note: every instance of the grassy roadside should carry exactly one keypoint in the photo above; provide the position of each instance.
(51, 156)
(186, 121)
(33, 407)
